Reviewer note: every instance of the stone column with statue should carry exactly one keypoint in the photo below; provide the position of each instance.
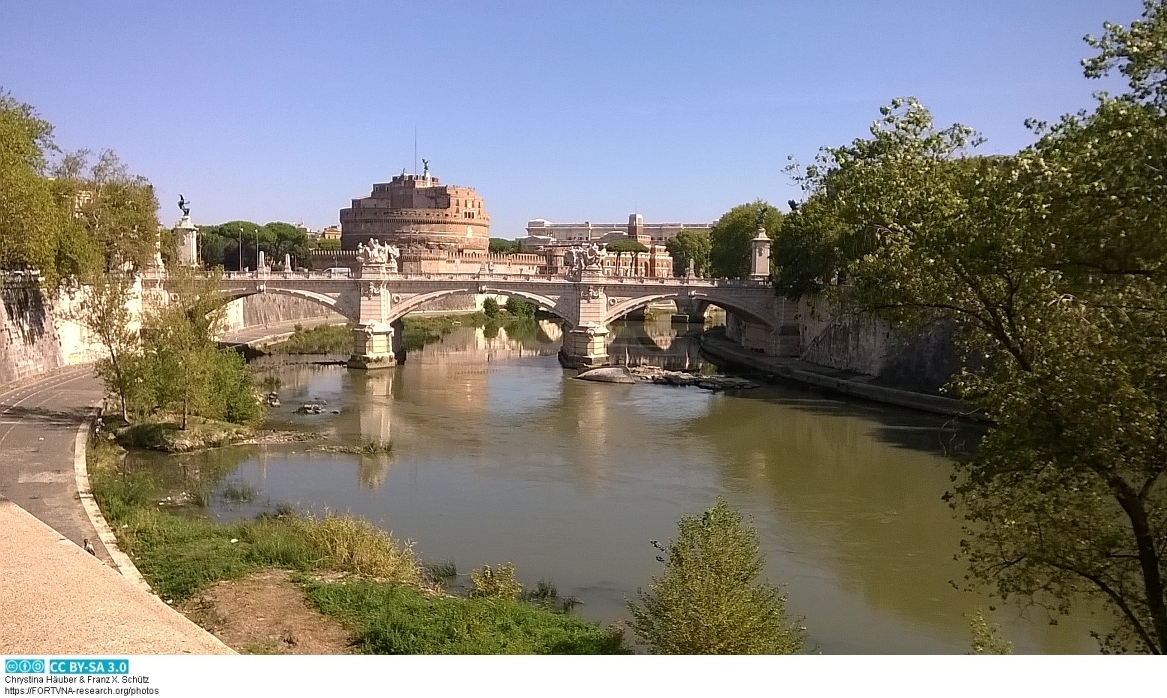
(586, 344)
(188, 237)
(373, 335)
(760, 250)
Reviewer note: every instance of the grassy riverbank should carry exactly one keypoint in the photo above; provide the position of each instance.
(349, 569)
(167, 435)
(322, 339)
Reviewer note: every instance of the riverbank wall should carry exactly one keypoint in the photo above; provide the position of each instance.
(39, 332)
(37, 335)
(861, 343)
(723, 350)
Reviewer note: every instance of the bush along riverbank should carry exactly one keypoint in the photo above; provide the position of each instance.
(322, 339)
(348, 569)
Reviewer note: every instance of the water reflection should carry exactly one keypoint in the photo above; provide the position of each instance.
(500, 456)
(656, 342)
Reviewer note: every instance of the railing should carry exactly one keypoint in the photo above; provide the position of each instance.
(478, 275)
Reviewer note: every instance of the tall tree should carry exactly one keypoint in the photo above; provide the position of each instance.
(690, 246)
(117, 211)
(34, 231)
(1053, 264)
(623, 247)
(729, 254)
(106, 312)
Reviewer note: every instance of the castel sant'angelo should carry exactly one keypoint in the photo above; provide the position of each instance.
(417, 212)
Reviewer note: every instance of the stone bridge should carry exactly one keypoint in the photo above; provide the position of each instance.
(376, 299)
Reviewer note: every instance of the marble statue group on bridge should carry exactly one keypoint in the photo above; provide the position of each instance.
(581, 257)
(374, 252)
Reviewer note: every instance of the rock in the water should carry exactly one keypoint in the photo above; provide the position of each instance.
(608, 374)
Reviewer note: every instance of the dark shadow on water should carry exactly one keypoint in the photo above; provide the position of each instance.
(897, 426)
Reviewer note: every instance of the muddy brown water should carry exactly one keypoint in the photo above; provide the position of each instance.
(500, 456)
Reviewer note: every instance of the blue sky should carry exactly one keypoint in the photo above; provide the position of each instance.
(565, 111)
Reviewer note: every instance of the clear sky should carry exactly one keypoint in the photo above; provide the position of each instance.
(568, 111)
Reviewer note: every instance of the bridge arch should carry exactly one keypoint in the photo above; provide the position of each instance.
(232, 294)
(753, 314)
(406, 306)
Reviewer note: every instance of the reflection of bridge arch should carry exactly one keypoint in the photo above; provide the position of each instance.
(743, 309)
(232, 294)
(400, 310)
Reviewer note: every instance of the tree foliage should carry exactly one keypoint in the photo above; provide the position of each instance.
(1052, 263)
(503, 246)
(170, 366)
(986, 636)
(690, 246)
(34, 230)
(116, 212)
(220, 245)
(729, 253)
(63, 217)
(708, 600)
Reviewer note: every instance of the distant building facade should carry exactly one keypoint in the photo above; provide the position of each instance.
(635, 229)
(417, 211)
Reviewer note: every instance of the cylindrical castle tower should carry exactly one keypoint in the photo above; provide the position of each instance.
(417, 211)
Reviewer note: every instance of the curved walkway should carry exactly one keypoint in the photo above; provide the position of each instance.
(56, 598)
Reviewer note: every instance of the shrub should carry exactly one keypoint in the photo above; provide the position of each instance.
(497, 583)
(490, 308)
(519, 307)
(354, 545)
(707, 601)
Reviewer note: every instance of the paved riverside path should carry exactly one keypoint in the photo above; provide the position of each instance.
(54, 597)
(39, 420)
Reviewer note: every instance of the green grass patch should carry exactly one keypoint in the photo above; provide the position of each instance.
(180, 552)
(322, 339)
(167, 434)
(396, 620)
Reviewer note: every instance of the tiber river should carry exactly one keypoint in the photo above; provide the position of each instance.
(500, 456)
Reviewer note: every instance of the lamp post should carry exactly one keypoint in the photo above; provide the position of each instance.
(240, 248)
(257, 250)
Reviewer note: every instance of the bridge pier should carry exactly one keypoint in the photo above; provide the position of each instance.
(584, 347)
(372, 347)
(398, 338)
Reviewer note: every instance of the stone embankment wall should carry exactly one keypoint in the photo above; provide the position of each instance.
(867, 344)
(271, 309)
(862, 343)
(29, 341)
(37, 334)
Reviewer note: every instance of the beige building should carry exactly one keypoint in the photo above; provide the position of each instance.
(635, 229)
(417, 211)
